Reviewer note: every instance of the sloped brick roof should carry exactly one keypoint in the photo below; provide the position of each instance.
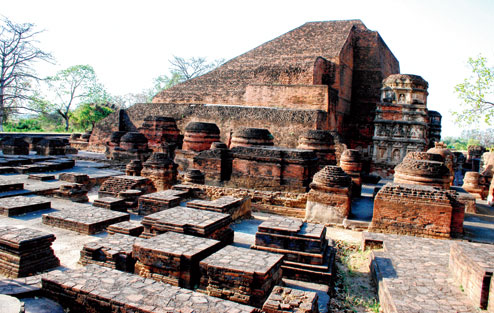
(287, 59)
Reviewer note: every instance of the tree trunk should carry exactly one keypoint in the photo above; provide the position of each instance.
(67, 123)
(1, 109)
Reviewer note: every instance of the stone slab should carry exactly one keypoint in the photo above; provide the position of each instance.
(113, 251)
(284, 299)
(13, 206)
(173, 258)
(84, 219)
(126, 228)
(94, 288)
(236, 207)
(111, 203)
(159, 201)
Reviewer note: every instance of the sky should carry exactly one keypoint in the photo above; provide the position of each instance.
(129, 43)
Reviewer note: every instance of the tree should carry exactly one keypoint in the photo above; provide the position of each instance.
(88, 114)
(18, 54)
(193, 67)
(476, 93)
(71, 87)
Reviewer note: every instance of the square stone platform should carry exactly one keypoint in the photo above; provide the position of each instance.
(159, 201)
(173, 258)
(41, 177)
(236, 207)
(25, 251)
(111, 203)
(472, 266)
(97, 289)
(241, 275)
(308, 257)
(126, 228)
(189, 221)
(13, 206)
(84, 219)
(113, 251)
(10, 185)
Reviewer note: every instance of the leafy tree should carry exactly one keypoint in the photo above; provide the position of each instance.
(476, 93)
(87, 115)
(72, 87)
(18, 54)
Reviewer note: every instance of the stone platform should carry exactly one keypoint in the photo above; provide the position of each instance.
(241, 275)
(472, 266)
(10, 185)
(116, 184)
(307, 254)
(113, 251)
(25, 251)
(413, 277)
(101, 289)
(84, 219)
(159, 201)
(111, 203)
(126, 228)
(20, 205)
(189, 221)
(236, 207)
(173, 258)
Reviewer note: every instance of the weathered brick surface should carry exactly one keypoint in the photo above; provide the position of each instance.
(472, 267)
(161, 170)
(41, 177)
(350, 163)
(126, 228)
(275, 202)
(12, 206)
(84, 219)
(272, 168)
(241, 275)
(159, 130)
(110, 203)
(304, 245)
(189, 221)
(10, 185)
(422, 168)
(236, 207)
(100, 289)
(412, 276)
(113, 185)
(73, 192)
(113, 251)
(25, 251)
(284, 299)
(159, 201)
(417, 210)
(329, 200)
(173, 258)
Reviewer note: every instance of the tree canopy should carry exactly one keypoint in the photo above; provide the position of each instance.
(18, 54)
(72, 87)
(476, 93)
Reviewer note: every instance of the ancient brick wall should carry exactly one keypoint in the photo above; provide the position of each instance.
(286, 125)
(373, 61)
(313, 97)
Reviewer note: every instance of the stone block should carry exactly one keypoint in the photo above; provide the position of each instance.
(84, 219)
(241, 275)
(113, 251)
(173, 258)
(126, 228)
(189, 221)
(13, 206)
(100, 289)
(25, 251)
(236, 207)
(159, 201)
(111, 203)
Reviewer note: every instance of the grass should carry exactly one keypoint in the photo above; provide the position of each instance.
(354, 289)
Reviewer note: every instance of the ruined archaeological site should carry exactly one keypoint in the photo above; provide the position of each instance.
(305, 175)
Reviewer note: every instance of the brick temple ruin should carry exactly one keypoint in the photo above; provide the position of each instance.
(225, 192)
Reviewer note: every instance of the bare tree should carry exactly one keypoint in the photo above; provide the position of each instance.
(18, 53)
(193, 67)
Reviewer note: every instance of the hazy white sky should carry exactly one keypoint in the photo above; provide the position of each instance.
(130, 42)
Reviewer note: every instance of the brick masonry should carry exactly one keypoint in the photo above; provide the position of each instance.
(99, 289)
